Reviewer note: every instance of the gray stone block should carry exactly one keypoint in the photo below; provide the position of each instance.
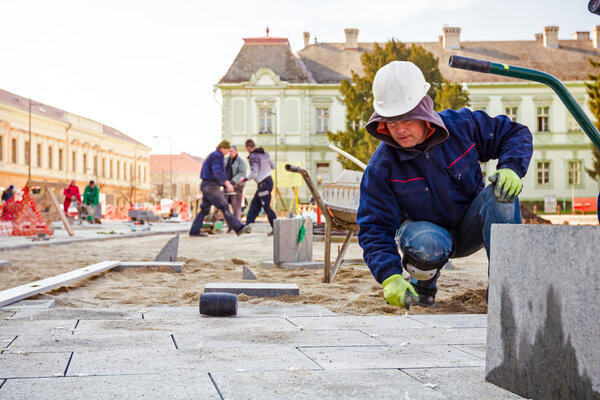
(422, 336)
(246, 310)
(30, 365)
(247, 274)
(254, 289)
(76, 313)
(293, 265)
(286, 247)
(544, 299)
(43, 327)
(355, 322)
(6, 263)
(452, 321)
(29, 304)
(169, 251)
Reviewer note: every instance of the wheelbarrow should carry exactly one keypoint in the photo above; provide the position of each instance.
(488, 67)
(336, 217)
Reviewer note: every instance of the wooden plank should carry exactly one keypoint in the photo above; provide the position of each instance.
(9, 296)
(61, 213)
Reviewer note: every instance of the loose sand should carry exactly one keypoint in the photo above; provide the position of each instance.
(220, 258)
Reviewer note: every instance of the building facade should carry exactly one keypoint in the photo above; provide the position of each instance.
(61, 146)
(287, 102)
(175, 177)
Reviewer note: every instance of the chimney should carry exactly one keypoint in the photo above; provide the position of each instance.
(451, 39)
(351, 38)
(582, 35)
(596, 36)
(306, 36)
(538, 37)
(551, 37)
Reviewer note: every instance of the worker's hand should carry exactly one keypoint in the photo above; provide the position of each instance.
(243, 179)
(395, 289)
(507, 185)
(229, 187)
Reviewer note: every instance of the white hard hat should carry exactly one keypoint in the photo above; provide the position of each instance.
(420, 274)
(398, 87)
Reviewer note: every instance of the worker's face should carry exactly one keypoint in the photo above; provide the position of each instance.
(223, 151)
(407, 133)
(72, 182)
(249, 149)
(232, 152)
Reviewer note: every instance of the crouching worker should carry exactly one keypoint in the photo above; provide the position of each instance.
(423, 192)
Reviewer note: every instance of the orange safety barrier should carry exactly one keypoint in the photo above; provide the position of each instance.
(585, 204)
(21, 216)
(115, 213)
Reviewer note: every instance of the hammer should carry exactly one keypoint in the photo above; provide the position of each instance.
(218, 304)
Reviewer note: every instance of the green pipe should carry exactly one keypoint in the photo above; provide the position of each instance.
(473, 64)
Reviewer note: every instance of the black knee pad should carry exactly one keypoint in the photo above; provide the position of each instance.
(422, 270)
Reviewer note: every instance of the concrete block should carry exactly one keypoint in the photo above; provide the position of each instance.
(27, 326)
(452, 321)
(28, 304)
(169, 251)
(392, 322)
(176, 266)
(247, 274)
(544, 299)
(293, 265)
(322, 384)
(156, 386)
(255, 289)
(76, 313)
(6, 264)
(286, 247)
(423, 336)
(476, 350)
(30, 365)
(246, 310)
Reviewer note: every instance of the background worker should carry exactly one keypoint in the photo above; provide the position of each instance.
(260, 170)
(8, 193)
(213, 178)
(423, 190)
(71, 193)
(235, 171)
(91, 197)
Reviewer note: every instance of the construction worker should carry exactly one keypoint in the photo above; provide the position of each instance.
(213, 177)
(8, 193)
(71, 195)
(423, 191)
(235, 170)
(91, 197)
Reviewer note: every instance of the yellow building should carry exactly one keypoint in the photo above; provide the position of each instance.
(39, 142)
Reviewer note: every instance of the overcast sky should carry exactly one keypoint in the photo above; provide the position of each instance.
(148, 68)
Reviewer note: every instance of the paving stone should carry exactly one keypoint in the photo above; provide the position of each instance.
(355, 322)
(77, 313)
(6, 341)
(542, 334)
(319, 384)
(169, 251)
(6, 314)
(176, 266)
(44, 327)
(286, 247)
(6, 263)
(97, 341)
(427, 335)
(294, 310)
(461, 383)
(154, 386)
(203, 359)
(293, 265)
(254, 289)
(348, 337)
(409, 356)
(25, 304)
(29, 364)
(453, 321)
(477, 350)
(247, 274)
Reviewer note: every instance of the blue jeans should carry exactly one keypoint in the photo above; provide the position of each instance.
(213, 195)
(429, 242)
(262, 199)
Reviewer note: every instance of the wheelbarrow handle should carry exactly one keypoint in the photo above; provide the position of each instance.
(470, 64)
(292, 168)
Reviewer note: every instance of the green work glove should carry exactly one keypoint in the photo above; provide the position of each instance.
(507, 185)
(394, 291)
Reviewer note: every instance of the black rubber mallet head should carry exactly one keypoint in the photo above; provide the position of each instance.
(218, 304)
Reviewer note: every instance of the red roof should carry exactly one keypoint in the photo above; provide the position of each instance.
(180, 163)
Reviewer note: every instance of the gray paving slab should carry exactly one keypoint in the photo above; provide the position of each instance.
(453, 320)
(6, 341)
(30, 364)
(477, 350)
(77, 313)
(347, 337)
(169, 251)
(43, 327)
(319, 384)
(26, 304)
(286, 247)
(247, 274)
(5, 314)
(408, 356)
(254, 289)
(154, 386)
(461, 383)
(6, 263)
(97, 341)
(264, 357)
(245, 310)
(427, 335)
(355, 322)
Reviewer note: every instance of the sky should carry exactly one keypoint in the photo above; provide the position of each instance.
(148, 68)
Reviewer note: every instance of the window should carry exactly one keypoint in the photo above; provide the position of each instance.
(50, 157)
(26, 151)
(139, 173)
(575, 173)
(1, 148)
(186, 189)
(60, 159)
(104, 167)
(543, 173)
(144, 180)
(96, 165)
(542, 119)
(85, 164)
(173, 191)
(511, 112)
(74, 162)
(322, 173)
(573, 125)
(130, 172)
(266, 120)
(110, 169)
(13, 150)
(322, 120)
(38, 155)
(159, 190)
(118, 169)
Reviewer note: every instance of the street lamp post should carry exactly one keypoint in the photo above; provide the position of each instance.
(170, 162)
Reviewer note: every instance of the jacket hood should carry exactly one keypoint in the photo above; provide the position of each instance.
(258, 150)
(423, 111)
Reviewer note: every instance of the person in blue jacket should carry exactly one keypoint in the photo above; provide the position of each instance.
(423, 192)
(213, 177)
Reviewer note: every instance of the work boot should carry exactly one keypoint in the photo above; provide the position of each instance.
(426, 300)
(199, 234)
(243, 229)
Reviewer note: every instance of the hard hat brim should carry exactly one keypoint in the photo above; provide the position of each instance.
(400, 110)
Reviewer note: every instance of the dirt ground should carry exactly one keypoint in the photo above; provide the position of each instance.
(220, 258)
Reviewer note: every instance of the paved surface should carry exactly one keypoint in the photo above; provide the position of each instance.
(88, 232)
(265, 352)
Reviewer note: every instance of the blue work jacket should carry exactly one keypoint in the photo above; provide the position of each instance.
(213, 168)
